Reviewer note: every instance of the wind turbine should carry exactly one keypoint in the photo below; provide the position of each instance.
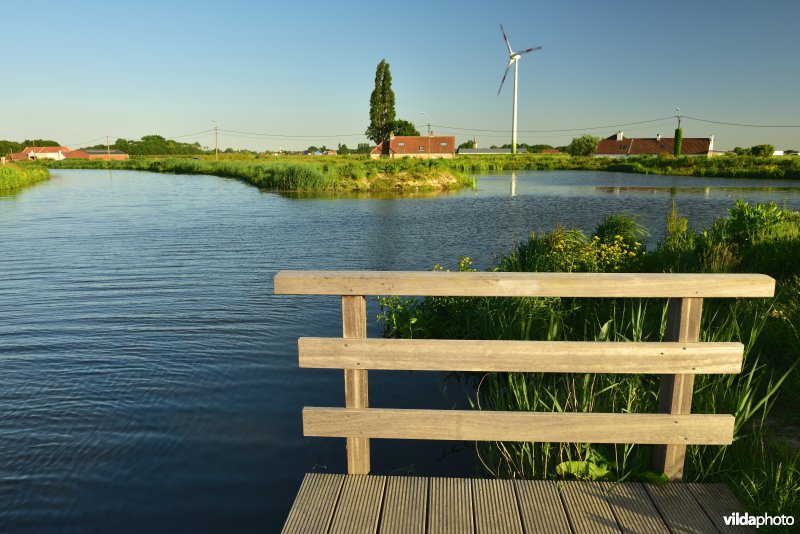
(513, 59)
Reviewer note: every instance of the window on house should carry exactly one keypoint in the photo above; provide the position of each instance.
(443, 144)
(422, 148)
(401, 144)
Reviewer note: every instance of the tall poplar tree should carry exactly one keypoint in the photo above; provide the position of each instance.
(381, 105)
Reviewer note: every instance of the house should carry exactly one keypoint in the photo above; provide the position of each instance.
(102, 153)
(619, 146)
(416, 146)
(96, 153)
(41, 152)
(77, 154)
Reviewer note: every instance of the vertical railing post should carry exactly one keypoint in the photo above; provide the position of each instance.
(675, 393)
(356, 394)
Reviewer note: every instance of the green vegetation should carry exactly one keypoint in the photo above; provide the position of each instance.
(584, 145)
(307, 173)
(381, 105)
(8, 147)
(154, 145)
(762, 465)
(678, 142)
(758, 150)
(403, 127)
(16, 176)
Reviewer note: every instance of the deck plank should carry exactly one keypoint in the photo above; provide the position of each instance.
(718, 501)
(366, 503)
(587, 507)
(450, 506)
(679, 509)
(541, 507)
(496, 508)
(315, 502)
(404, 506)
(635, 512)
(359, 506)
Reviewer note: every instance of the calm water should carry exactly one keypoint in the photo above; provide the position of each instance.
(148, 376)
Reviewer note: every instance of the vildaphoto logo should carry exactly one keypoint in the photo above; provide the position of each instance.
(745, 519)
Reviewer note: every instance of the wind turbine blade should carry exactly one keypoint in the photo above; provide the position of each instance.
(510, 52)
(530, 50)
(510, 62)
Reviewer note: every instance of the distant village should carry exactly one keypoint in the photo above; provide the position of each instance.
(433, 146)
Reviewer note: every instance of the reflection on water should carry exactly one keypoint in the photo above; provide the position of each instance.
(150, 379)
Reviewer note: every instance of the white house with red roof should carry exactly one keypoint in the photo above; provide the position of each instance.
(42, 152)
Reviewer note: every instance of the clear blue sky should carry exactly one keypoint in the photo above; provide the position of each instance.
(78, 71)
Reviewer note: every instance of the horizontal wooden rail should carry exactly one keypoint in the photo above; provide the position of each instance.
(492, 284)
(520, 356)
(470, 425)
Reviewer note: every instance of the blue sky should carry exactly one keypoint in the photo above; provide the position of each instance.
(302, 73)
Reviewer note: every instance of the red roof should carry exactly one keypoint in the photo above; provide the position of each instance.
(417, 144)
(45, 149)
(690, 146)
(76, 154)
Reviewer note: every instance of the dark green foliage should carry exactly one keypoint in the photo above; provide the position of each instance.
(154, 145)
(584, 145)
(403, 127)
(381, 105)
(8, 147)
(762, 150)
(678, 142)
(342, 150)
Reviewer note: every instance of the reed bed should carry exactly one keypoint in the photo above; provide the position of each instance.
(762, 465)
(16, 176)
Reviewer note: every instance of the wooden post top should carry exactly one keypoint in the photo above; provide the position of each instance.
(502, 284)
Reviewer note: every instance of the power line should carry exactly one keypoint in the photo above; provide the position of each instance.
(293, 136)
(555, 130)
(743, 125)
(84, 143)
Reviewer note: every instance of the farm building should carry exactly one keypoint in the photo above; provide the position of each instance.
(416, 146)
(619, 146)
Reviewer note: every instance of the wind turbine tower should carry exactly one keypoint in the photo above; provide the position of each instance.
(513, 59)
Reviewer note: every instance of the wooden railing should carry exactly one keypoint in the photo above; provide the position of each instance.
(677, 360)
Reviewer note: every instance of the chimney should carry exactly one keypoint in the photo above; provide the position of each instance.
(658, 137)
(391, 135)
(620, 135)
(711, 143)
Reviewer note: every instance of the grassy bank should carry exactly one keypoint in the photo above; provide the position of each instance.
(762, 465)
(301, 174)
(359, 173)
(17, 176)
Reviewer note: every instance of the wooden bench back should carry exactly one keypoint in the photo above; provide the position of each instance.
(677, 360)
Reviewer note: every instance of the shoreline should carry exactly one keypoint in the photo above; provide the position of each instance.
(358, 174)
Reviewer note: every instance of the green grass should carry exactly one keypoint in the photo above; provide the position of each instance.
(301, 173)
(761, 466)
(16, 176)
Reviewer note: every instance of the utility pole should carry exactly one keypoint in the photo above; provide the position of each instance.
(108, 150)
(216, 146)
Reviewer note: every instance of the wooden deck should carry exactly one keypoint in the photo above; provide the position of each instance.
(388, 504)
